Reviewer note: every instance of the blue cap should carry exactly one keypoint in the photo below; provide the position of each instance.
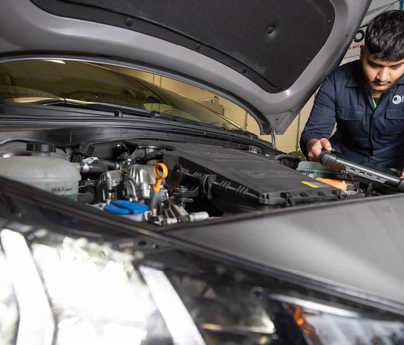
(125, 207)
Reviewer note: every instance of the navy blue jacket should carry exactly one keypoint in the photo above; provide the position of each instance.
(364, 134)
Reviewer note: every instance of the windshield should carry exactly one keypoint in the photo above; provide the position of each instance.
(58, 82)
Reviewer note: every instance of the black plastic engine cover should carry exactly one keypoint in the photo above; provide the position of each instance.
(251, 177)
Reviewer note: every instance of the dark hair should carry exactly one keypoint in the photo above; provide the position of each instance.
(385, 36)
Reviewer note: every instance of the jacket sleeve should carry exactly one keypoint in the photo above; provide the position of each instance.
(322, 118)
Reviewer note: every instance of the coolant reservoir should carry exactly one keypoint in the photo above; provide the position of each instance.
(47, 172)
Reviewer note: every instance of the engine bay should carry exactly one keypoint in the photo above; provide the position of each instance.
(164, 183)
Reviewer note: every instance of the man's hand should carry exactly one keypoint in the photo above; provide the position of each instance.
(315, 146)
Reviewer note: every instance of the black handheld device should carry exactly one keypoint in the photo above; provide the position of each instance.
(332, 161)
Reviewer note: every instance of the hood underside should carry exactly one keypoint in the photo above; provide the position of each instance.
(267, 55)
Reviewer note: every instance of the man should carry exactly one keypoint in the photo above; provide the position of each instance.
(365, 99)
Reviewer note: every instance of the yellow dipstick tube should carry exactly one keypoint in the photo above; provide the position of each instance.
(160, 172)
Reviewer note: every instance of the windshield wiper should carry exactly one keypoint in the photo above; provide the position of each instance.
(241, 131)
(121, 111)
(117, 110)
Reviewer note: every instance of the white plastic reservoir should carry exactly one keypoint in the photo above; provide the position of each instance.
(52, 174)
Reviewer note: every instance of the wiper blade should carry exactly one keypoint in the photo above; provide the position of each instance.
(117, 110)
(242, 132)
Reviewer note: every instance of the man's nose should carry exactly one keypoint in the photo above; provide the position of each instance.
(383, 74)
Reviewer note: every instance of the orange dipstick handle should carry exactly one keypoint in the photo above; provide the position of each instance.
(160, 172)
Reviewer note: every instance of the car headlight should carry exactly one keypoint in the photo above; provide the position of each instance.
(71, 291)
(248, 314)
(60, 290)
(8, 305)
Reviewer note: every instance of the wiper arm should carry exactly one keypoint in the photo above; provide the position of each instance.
(241, 131)
(117, 110)
(121, 111)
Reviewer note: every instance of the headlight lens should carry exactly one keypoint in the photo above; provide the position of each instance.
(94, 295)
(8, 305)
(257, 315)
(62, 290)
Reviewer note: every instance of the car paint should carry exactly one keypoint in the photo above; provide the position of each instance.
(45, 32)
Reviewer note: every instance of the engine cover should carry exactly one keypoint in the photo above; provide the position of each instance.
(254, 178)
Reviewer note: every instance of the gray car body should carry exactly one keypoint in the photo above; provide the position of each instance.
(26, 28)
(356, 247)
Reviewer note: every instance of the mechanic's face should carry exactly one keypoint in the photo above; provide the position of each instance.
(380, 74)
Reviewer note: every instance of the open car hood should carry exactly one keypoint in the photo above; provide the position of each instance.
(268, 56)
